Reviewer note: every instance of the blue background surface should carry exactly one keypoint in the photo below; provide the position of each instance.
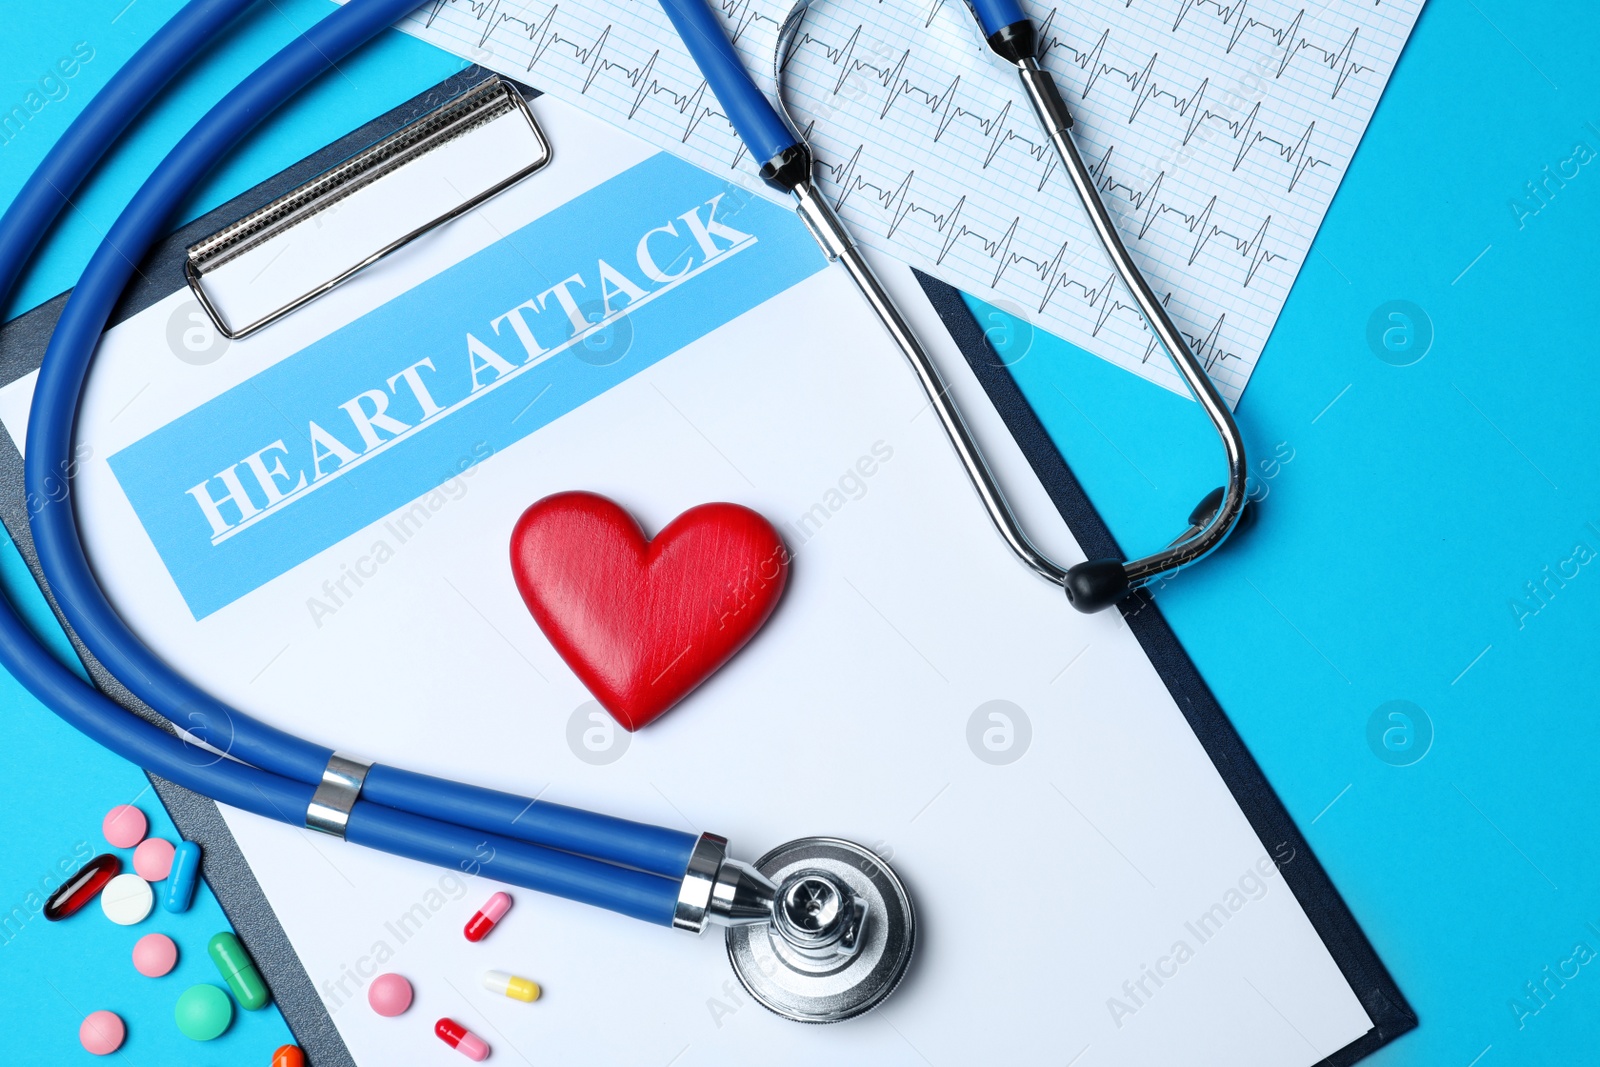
(1384, 565)
(58, 788)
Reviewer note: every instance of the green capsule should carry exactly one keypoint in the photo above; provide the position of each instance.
(236, 968)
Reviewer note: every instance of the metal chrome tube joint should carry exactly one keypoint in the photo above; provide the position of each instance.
(826, 937)
(718, 891)
(812, 912)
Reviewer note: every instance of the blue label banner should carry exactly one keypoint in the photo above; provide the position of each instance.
(393, 405)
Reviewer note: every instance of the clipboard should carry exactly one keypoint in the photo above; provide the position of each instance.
(22, 345)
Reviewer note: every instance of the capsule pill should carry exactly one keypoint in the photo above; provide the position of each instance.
(509, 985)
(81, 888)
(494, 909)
(237, 969)
(182, 877)
(461, 1039)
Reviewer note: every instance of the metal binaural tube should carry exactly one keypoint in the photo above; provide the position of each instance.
(836, 242)
(1057, 121)
(1093, 584)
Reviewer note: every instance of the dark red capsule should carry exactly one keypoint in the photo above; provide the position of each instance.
(82, 887)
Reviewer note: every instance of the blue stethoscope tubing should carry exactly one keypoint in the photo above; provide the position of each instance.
(627, 867)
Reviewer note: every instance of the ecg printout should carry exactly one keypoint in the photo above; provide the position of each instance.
(1217, 131)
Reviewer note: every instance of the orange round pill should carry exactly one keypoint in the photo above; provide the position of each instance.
(288, 1056)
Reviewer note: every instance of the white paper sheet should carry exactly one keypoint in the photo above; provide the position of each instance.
(1218, 131)
(1054, 891)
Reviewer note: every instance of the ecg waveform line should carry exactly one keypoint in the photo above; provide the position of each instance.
(894, 201)
(1287, 39)
(694, 106)
(1048, 280)
(1193, 110)
(1143, 84)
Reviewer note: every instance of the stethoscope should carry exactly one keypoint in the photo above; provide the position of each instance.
(772, 137)
(818, 929)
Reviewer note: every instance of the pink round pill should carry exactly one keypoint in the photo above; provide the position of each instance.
(389, 995)
(152, 860)
(102, 1032)
(154, 955)
(124, 826)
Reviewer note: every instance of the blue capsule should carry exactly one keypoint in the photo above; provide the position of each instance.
(183, 878)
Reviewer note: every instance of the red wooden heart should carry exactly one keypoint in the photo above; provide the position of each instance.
(643, 622)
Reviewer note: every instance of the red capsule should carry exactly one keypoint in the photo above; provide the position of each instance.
(494, 909)
(82, 887)
(461, 1039)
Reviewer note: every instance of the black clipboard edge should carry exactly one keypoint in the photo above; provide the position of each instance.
(1385, 1005)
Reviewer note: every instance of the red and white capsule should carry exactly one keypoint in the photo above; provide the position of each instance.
(494, 909)
(461, 1039)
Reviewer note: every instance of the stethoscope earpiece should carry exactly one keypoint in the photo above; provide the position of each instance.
(1096, 584)
(1206, 510)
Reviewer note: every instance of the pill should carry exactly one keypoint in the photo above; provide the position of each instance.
(102, 1032)
(152, 860)
(494, 909)
(124, 826)
(203, 1012)
(389, 995)
(509, 985)
(127, 899)
(461, 1039)
(237, 969)
(288, 1056)
(154, 955)
(81, 888)
(183, 877)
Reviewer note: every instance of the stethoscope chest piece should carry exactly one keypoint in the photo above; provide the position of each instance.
(842, 935)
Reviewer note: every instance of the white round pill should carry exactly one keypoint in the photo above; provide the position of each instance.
(127, 899)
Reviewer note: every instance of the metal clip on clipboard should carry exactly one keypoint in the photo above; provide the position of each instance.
(445, 163)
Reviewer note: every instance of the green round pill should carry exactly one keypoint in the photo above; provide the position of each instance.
(203, 1012)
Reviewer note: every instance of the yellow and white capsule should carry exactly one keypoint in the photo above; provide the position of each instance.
(509, 985)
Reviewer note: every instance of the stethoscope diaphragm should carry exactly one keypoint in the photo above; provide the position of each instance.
(842, 938)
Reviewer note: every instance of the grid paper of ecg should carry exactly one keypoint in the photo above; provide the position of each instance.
(1217, 130)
